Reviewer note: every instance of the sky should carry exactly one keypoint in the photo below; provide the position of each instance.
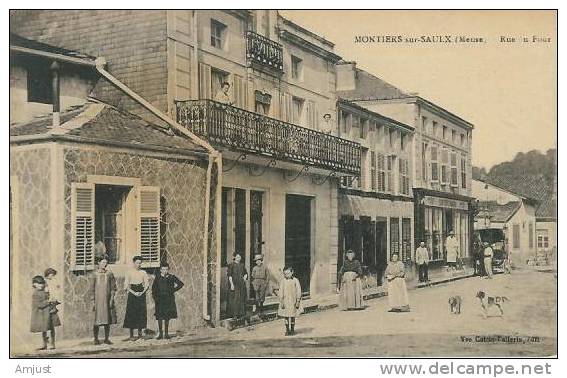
(506, 89)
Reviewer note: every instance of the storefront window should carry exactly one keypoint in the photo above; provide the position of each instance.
(438, 222)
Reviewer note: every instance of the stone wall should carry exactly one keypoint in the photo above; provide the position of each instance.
(30, 171)
(182, 186)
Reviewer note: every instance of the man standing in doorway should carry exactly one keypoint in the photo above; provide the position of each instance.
(422, 261)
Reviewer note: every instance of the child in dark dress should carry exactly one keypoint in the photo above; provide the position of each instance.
(42, 319)
(163, 291)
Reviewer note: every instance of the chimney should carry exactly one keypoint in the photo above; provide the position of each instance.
(346, 76)
(55, 92)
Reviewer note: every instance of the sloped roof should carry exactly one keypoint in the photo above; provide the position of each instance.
(99, 123)
(500, 213)
(547, 208)
(532, 187)
(370, 87)
(17, 40)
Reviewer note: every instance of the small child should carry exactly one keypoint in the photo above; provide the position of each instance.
(260, 278)
(290, 300)
(163, 291)
(52, 288)
(42, 319)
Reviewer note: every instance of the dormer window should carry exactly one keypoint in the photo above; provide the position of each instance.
(39, 84)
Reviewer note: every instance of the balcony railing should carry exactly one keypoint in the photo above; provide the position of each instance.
(250, 132)
(264, 51)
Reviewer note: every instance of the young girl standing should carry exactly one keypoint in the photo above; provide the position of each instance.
(290, 300)
(163, 291)
(42, 319)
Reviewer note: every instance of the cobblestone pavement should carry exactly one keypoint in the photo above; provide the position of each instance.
(528, 327)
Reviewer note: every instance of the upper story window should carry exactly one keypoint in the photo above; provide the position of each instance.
(444, 132)
(298, 110)
(463, 143)
(403, 142)
(363, 128)
(296, 68)
(218, 78)
(392, 137)
(424, 124)
(435, 129)
(434, 164)
(404, 176)
(463, 172)
(39, 84)
(218, 34)
(453, 136)
(424, 161)
(344, 121)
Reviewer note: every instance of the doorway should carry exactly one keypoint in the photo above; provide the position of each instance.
(381, 249)
(298, 238)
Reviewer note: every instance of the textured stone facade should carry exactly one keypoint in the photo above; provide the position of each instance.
(30, 171)
(182, 187)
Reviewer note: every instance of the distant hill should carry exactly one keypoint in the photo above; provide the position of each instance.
(531, 174)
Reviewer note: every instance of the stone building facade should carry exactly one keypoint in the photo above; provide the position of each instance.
(376, 209)
(514, 213)
(99, 174)
(281, 166)
(441, 150)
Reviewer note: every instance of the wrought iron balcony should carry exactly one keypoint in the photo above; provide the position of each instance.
(264, 51)
(249, 132)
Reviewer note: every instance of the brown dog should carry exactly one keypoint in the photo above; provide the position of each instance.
(455, 303)
(487, 302)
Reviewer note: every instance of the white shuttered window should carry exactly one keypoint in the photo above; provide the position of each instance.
(82, 225)
(149, 210)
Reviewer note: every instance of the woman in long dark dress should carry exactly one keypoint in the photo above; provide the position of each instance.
(163, 291)
(237, 276)
(350, 284)
(136, 283)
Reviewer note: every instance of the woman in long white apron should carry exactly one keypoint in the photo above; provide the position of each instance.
(397, 290)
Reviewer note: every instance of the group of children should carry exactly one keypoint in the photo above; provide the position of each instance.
(45, 299)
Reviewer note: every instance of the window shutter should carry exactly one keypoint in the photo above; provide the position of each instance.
(149, 210)
(390, 176)
(82, 226)
(381, 176)
(205, 81)
(312, 114)
(287, 108)
(401, 176)
(373, 178)
(240, 92)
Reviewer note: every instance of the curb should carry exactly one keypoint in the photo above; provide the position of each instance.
(227, 324)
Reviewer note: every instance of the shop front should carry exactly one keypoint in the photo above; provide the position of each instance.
(375, 228)
(437, 214)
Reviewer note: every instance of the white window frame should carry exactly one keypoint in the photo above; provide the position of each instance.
(138, 189)
(221, 37)
(88, 215)
(434, 163)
